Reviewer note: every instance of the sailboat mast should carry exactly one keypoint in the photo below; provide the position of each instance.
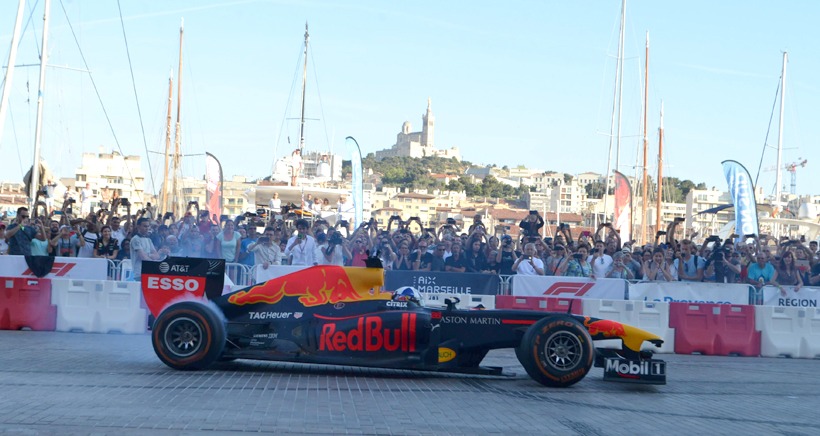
(659, 200)
(645, 143)
(620, 85)
(175, 206)
(304, 86)
(779, 173)
(164, 200)
(15, 40)
(616, 109)
(38, 130)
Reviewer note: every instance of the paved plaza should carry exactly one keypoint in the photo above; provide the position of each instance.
(73, 383)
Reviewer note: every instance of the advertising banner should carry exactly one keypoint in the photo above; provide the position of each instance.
(443, 282)
(690, 292)
(64, 267)
(805, 297)
(213, 185)
(356, 179)
(623, 206)
(178, 278)
(575, 287)
(742, 191)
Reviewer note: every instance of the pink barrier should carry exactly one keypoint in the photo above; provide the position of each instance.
(541, 304)
(714, 329)
(26, 302)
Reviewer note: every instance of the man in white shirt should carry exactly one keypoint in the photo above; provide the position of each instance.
(275, 205)
(85, 199)
(143, 249)
(600, 261)
(346, 210)
(529, 264)
(266, 249)
(301, 246)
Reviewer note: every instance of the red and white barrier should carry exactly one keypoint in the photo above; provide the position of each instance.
(714, 329)
(26, 303)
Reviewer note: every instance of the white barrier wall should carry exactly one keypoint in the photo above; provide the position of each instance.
(788, 331)
(467, 301)
(651, 316)
(262, 275)
(690, 292)
(64, 267)
(97, 306)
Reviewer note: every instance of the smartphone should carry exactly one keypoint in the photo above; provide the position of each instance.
(533, 212)
(586, 233)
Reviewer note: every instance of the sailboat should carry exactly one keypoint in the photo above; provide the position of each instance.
(304, 172)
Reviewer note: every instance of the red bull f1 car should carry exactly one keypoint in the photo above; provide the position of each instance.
(339, 316)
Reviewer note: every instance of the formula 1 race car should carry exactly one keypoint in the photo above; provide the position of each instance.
(338, 315)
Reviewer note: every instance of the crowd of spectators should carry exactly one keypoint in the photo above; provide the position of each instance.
(251, 239)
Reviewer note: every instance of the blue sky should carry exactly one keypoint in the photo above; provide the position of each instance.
(529, 82)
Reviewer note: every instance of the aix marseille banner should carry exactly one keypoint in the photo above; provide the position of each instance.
(443, 282)
(742, 191)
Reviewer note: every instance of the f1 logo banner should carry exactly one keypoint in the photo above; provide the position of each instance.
(177, 278)
(570, 287)
(443, 282)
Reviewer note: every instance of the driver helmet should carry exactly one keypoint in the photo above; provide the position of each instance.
(408, 293)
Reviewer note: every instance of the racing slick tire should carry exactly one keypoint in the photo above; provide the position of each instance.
(556, 351)
(189, 335)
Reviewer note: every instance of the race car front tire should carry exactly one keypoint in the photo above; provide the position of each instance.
(189, 335)
(556, 351)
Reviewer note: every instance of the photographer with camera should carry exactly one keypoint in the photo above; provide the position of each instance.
(690, 266)
(506, 256)
(450, 228)
(332, 248)
(531, 225)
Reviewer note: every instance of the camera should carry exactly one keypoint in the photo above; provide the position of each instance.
(451, 221)
(70, 201)
(336, 238)
(578, 256)
(124, 202)
(533, 212)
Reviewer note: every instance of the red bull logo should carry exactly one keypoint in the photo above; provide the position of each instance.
(316, 286)
(605, 328)
(370, 335)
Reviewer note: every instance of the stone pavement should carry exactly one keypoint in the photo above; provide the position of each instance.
(73, 383)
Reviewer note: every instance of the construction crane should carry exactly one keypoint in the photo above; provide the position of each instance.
(791, 167)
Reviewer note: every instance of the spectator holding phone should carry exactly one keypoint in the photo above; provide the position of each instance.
(577, 265)
(266, 251)
(301, 247)
(529, 264)
(19, 234)
(600, 261)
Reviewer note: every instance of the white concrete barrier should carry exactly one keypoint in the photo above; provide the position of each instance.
(788, 331)
(98, 306)
(652, 316)
(468, 301)
(121, 309)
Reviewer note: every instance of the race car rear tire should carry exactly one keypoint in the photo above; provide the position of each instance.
(189, 335)
(556, 351)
